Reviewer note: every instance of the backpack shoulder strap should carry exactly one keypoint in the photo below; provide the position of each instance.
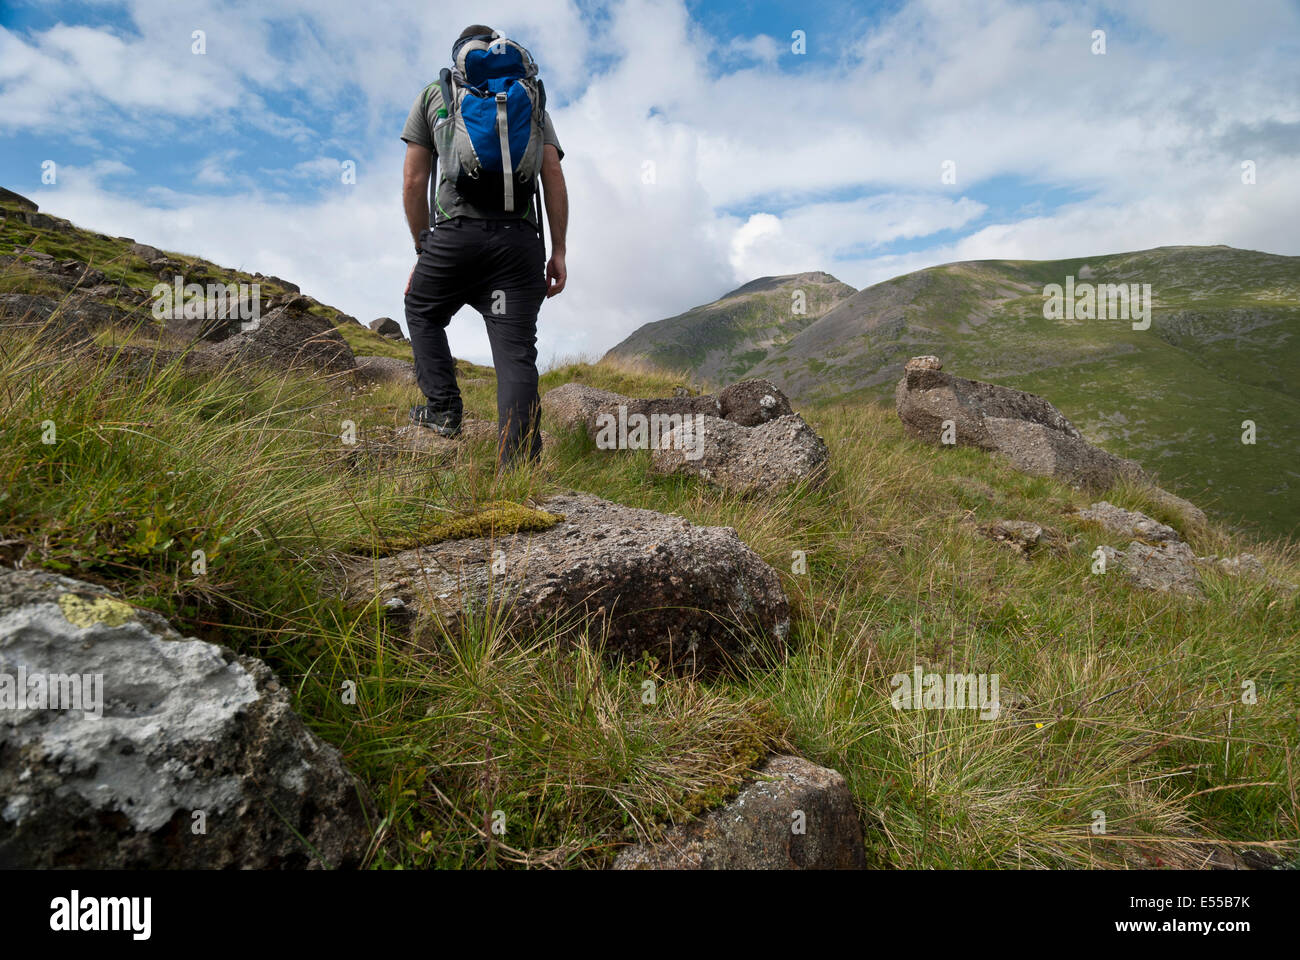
(445, 83)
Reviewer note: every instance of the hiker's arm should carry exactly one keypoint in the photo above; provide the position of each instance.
(557, 216)
(415, 188)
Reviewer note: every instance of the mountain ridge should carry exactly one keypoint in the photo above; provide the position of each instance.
(1222, 349)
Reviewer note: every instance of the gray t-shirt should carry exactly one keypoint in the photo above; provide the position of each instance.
(445, 203)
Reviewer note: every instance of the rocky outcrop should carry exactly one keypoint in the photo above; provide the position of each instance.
(1130, 523)
(748, 403)
(575, 404)
(795, 816)
(1157, 558)
(1167, 567)
(72, 318)
(8, 196)
(747, 439)
(174, 753)
(751, 402)
(384, 370)
(388, 328)
(286, 339)
(146, 253)
(770, 456)
(694, 597)
(285, 284)
(1026, 429)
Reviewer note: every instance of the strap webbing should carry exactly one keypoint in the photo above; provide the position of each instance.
(507, 167)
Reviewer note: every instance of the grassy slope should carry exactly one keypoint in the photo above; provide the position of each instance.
(1117, 700)
(1122, 699)
(1224, 347)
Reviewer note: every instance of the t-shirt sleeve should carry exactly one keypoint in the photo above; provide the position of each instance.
(417, 129)
(548, 134)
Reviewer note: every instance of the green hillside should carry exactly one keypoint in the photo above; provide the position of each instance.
(720, 340)
(1223, 347)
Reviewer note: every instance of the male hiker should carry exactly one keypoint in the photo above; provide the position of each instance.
(485, 122)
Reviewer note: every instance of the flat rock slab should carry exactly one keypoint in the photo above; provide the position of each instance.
(771, 456)
(181, 726)
(384, 370)
(760, 828)
(694, 597)
(1130, 523)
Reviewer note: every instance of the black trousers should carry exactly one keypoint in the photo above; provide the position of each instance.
(498, 268)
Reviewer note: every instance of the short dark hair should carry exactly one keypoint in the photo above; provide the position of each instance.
(476, 30)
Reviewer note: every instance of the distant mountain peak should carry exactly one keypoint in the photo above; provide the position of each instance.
(765, 284)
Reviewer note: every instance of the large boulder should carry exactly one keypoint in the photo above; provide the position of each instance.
(179, 753)
(575, 404)
(286, 339)
(146, 253)
(795, 816)
(751, 402)
(652, 583)
(1026, 429)
(387, 327)
(770, 456)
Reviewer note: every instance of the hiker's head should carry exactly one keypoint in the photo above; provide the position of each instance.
(471, 32)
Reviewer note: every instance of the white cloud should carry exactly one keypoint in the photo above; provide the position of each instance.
(828, 166)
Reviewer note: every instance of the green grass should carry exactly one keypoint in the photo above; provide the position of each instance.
(1117, 700)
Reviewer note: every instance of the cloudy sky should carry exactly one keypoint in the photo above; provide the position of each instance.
(707, 143)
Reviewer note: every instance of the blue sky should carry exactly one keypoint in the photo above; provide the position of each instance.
(765, 161)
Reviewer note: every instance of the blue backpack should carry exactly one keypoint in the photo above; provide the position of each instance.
(490, 143)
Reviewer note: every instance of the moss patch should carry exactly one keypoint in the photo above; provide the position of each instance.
(492, 519)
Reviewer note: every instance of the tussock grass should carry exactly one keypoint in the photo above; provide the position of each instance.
(1113, 700)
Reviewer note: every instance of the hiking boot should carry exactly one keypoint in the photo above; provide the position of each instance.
(440, 421)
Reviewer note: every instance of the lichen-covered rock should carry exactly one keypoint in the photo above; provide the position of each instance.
(1130, 523)
(770, 456)
(694, 597)
(795, 816)
(285, 339)
(188, 757)
(1168, 567)
(1026, 429)
(751, 402)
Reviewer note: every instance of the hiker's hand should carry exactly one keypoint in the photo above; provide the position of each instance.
(409, 279)
(556, 275)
